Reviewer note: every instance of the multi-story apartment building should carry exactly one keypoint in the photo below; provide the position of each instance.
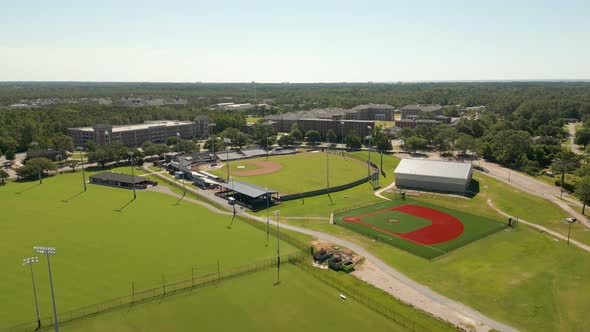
(339, 127)
(378, 112)
(420, 111)
(137, 134)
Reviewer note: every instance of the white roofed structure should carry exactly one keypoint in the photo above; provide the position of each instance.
(433, 175)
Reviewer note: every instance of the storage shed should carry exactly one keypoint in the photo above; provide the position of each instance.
(433, 175)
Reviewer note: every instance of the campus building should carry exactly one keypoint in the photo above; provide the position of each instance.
(420, 111)
(360, 127)
(137, 134)
(433, 175)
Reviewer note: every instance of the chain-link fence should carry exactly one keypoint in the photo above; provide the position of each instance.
(166, 289)
(383, 309)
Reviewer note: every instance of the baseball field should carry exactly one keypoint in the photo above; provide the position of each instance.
(423, 229)
(296, 173)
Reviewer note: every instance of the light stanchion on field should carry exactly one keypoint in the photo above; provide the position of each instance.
(267, 217)
(132, 173)
(278, 249)
(29, 261)
(48, 251)
(81, 148)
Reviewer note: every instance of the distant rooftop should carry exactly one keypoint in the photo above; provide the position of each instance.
(145, 125)
(373, 106)
(422, 107)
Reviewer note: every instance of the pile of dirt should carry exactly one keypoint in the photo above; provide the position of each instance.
(343, 253)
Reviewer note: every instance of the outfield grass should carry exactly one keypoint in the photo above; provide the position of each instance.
(100, 250)
(323, 205)
(475, 227)
(249, 303)
(300, 172)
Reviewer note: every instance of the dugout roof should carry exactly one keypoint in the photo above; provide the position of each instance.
(434, 168)
(248, 189)
(119, 177)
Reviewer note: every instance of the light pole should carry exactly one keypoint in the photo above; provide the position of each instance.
(267, 217)
(266, 134)
(47, 251)
(132, 173)
(81, 148)
(342, 135)
(328, 165)
(369, 163)
(278, 249)
(29, 261)
(227, 160)
(35, 144)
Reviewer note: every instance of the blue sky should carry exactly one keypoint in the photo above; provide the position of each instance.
(296, 41)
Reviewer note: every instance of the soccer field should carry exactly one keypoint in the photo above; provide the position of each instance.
(101, 251)
(297, 173)
(422, 229)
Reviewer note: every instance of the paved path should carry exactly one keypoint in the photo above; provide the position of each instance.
(531, 186)
(382, 275)
(541, 228)
(572, 131)
(378, 192)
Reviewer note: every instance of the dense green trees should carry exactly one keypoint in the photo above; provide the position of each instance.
(353, 140)
(415, 143)
(312, 137)
(35, 167)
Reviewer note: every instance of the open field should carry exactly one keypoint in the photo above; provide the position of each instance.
(249, 303)
(521, 277)
(423, 229)
(298, 173)
(100, 250)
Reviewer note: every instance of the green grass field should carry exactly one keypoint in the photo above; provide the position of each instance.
(300, 172)
(475, 227)
(100, 250)
(249, 303)
(323, 205)
(522, 277)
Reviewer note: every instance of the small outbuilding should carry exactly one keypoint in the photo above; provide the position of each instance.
(433, 175)
(121, 180)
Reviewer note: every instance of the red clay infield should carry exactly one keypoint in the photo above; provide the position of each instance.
(444, 226)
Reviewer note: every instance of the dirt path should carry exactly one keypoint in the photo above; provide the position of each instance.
(377, 273)
(541, 228)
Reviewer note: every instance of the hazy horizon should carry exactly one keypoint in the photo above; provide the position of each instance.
(303, 42)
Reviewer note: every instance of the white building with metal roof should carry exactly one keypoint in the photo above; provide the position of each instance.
(433, 175)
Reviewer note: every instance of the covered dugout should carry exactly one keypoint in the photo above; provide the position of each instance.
(433, 175)
(249, 195)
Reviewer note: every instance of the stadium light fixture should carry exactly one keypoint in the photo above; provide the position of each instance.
(570, 221)
(48, 251)
(342, 135)
(130, 153)
(29, 261)
(276, 213)
(35, 144)
(81, 148)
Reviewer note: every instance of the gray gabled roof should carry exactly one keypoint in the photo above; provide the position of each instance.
(120, 177)
(433, 168)
(248, 189)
